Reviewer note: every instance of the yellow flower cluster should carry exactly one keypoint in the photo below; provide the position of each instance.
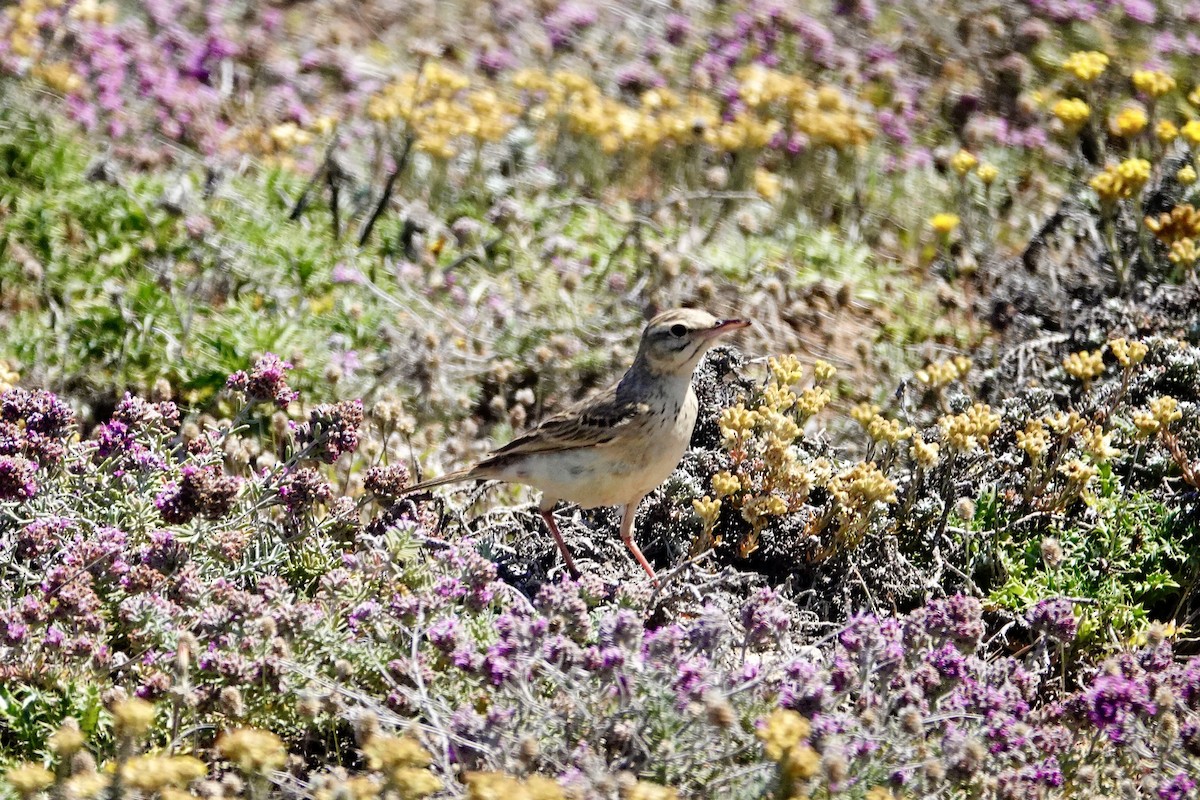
(440, 108)
(94, 12)
(1154, 83)
(1078, 473)
(1163, 411)
(645, 790)
(1121, 180)
(1185, 251)
(499, 786)
(786, 370)
(274, 142)
(132, 718)
(925, 453)
(782, 734)
(862, 486)
(1186, 175)
(1166, 131)
(708, 509)
(1072, 112)
(966, 431)
(942, 373)
(403, 763)
(963, 162)
(1191, 132)
(987, 173)
(822, 114)
(737, 424)
(889, 431)
(1129, 122)
(863, 413)
(1034, 440)
(1086, 65)
(1181, 222)
(1096, 445)
(1085, 366)
(58, 76)
(944, 223)
(252, 750)
(149, 773)
(1127, 353)
(29, 778)
(23, 39)
(1066, 423)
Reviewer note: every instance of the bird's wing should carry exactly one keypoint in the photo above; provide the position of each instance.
(594, 422)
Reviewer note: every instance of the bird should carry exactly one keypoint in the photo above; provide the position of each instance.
(615, 447)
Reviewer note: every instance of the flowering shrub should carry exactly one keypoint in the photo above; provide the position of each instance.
(972, 581)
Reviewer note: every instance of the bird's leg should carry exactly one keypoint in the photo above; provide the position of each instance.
(548, 515)
(627, 536)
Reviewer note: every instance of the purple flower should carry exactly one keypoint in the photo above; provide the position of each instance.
(200, 491)
(17, 478)
(302, 489)
(765, 617)
(266, 382)
(1055, 618)
(1113, 702)
(1178, 788)
(331, 430)
(345, 274)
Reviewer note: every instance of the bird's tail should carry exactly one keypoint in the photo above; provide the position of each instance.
(449, 477)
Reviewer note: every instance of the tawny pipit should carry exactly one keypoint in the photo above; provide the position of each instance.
(614, 448)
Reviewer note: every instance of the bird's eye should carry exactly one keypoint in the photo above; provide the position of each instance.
(678, 330)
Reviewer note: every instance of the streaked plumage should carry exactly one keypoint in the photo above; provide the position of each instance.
(615, 447)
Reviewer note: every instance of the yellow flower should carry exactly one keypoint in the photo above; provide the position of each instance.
(1184, 251)
(1034, 440)
(963, 162)
(1122, 180)
(1096, 444)
(1166, 410)
(151, 774)
(787, 369)
(389, 752)
(1127, 353)
(944, 223)
(1153, 82)
(132, 718)
(253, 751)
(812, 400)
(1086, 65)
(725, 484)
(924, 453)
(736, 424)
(823, 371)
(1191, 132)
(1085, 366)
(1186, 175)
(766, 183)
(1073, 112)
(67, 740)
(1166, 131)
(29, 778)
(987, 173)
(781, 731)
(801, 763)
(644, 790)
(1128, 123)
(708, 509)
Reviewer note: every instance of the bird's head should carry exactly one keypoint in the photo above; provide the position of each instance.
(674, 341)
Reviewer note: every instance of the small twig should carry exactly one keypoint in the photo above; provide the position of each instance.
(388, 187)
(333, 178)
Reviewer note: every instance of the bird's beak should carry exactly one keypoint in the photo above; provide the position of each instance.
(725, 326)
